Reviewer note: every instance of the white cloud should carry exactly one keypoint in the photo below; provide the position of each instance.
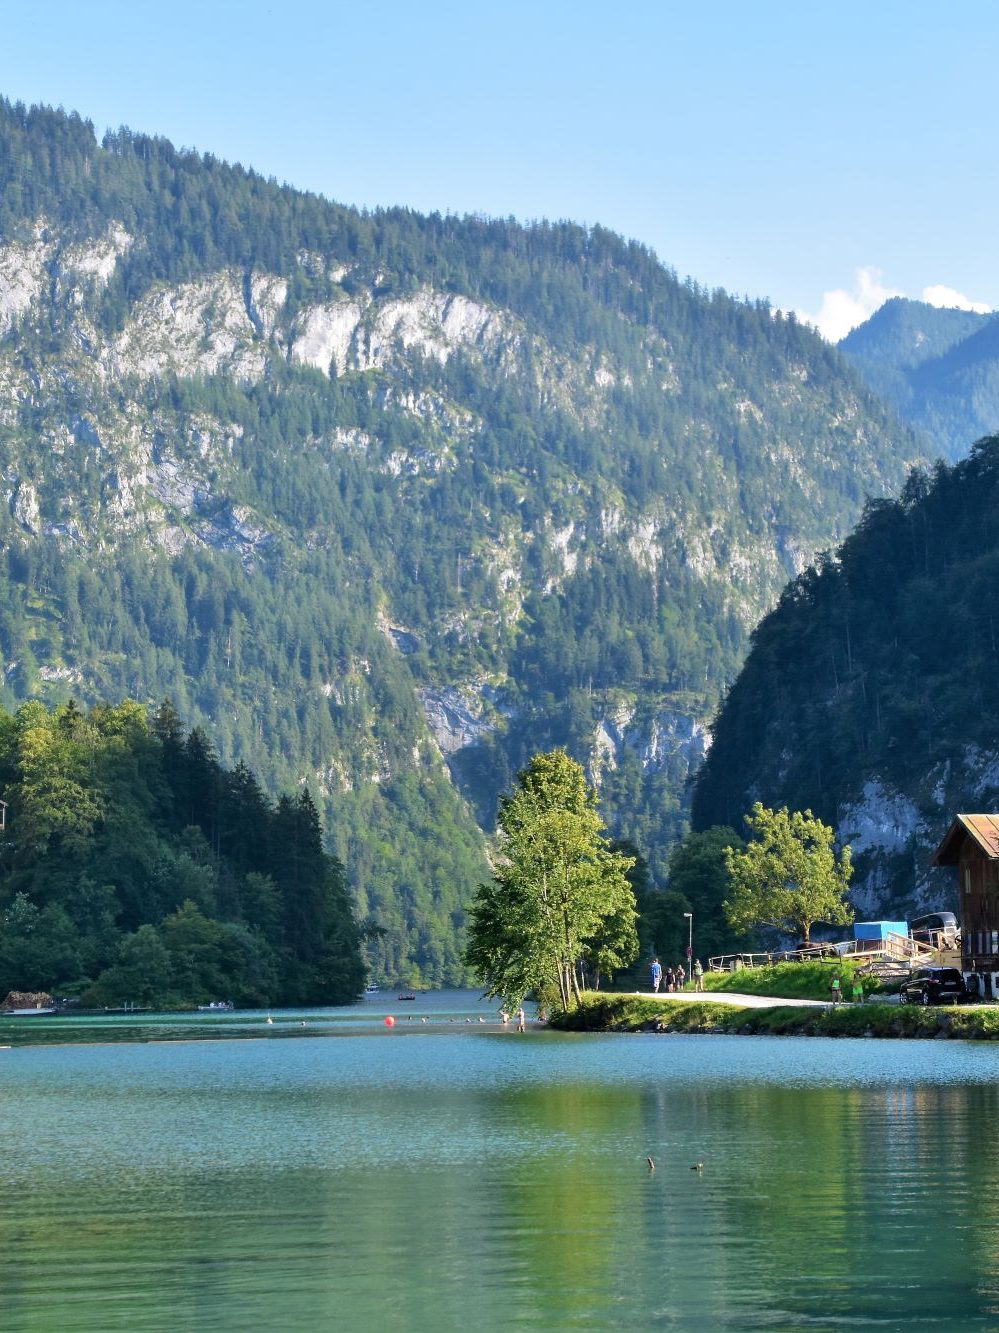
(843, 310)
(939, 295)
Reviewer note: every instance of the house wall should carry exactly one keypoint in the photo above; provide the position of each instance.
(978, 879)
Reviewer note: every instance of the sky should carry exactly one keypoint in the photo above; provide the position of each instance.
(824, 155)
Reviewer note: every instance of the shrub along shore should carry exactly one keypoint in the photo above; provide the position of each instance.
(635, 1013)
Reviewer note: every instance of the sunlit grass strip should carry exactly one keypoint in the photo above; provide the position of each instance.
(628, 1013)
(794, 981)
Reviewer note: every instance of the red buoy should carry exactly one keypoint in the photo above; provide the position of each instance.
(390, 1022)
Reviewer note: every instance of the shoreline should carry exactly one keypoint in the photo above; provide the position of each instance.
(706, 1017)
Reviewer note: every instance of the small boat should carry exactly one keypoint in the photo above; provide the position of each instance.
(26, 1013)
(371, 990)
(410, 996)
(216, 1006)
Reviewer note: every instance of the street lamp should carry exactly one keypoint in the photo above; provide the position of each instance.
(690, 936)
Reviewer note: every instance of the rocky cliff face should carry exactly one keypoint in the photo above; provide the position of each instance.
(894, 833)
(241, 327)
(172, 486)
(457, 718)
(661, 740)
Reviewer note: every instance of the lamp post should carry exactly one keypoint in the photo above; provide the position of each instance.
(690, 937)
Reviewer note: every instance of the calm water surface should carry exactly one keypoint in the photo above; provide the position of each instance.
(457, 1176)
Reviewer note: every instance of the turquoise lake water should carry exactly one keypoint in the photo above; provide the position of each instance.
(454, 1176)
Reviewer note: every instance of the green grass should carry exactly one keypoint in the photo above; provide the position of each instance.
(628, 1013)
(791, 981)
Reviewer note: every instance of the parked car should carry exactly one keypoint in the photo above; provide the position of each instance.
(933, 985)
(935, 928)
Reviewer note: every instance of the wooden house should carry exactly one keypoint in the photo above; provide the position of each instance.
(972, 845)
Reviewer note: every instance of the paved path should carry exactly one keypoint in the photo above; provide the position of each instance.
(732, 997)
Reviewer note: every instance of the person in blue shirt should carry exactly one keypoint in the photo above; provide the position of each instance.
(657, 974)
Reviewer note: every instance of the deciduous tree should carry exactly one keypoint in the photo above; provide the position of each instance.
(789, 875)
(560, 893)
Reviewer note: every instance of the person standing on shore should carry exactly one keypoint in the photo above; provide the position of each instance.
(521, 1020)
(680, 976)
(698, 976)
(835, 989)
(657, 975)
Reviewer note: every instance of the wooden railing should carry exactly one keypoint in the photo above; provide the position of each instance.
(894, 947)
(904, 946)
(732, 962)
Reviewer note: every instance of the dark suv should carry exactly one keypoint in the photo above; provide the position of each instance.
(933, 985)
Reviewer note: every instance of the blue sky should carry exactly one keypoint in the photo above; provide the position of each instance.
(775, 149)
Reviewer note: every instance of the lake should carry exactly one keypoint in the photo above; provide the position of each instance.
(450, 1175)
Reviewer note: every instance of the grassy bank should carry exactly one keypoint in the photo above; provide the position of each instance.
(792, 981)
(628, 1013)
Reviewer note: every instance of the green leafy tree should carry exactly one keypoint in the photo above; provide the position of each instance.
(56, 803)
(664, 930)
(35, 946)
(698, 872)
(262, 904)
(560, 894)
(141, 974)
(789, 875)
(615, 944)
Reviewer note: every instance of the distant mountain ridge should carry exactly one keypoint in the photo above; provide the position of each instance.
(387, 502)
(938, 367)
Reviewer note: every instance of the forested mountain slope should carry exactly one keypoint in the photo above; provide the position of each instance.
(386, 502)
(134, 869)
(939, 367)
(871, 693)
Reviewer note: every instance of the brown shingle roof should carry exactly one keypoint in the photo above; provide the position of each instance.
(984, 829)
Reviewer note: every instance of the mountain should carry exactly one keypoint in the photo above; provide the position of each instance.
(870, 694)
(387, 502)
(939, 368)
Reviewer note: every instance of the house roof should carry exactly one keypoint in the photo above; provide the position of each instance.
(982, 829)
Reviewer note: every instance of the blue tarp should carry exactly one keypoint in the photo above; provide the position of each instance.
(879, 930)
